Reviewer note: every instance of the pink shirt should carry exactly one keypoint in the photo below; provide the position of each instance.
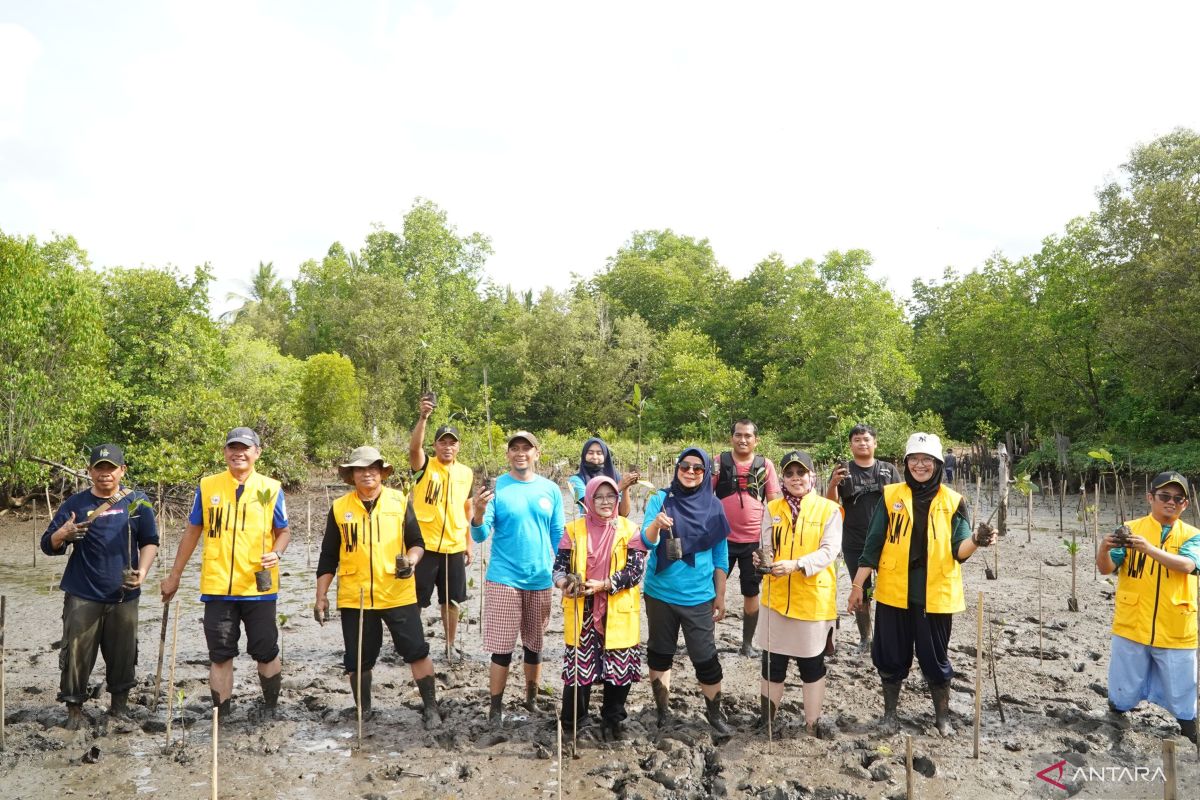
(745, 511)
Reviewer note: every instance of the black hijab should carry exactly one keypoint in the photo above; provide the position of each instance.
(923, 494)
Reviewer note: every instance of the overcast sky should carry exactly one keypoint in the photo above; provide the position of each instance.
(231, 132)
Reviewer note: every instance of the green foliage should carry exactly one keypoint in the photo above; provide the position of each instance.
(692, 380)
(331, 406)
(52, 354)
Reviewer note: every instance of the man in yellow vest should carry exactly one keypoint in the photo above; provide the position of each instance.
(919, 535)
(1154, 627)
(373, 543)
(243, 517)
(441, 500)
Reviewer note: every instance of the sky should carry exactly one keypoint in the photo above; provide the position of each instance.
(931, 134)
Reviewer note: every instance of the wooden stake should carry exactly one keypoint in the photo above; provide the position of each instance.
(171, 673)
(216, 727)
(978, 677)
(560, 768)
(308, 534)
(162, 646)
(3, 610)
(1029, 517)
(33, 522)
(1170, 774)
(358, 669)
(909, 787)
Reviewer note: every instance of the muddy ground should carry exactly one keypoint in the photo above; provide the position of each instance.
(1054, 708)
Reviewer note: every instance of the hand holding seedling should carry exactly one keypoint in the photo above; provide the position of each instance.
(572, 585)
(270, 559)
(427, 405)
(404, 566)
(628, 479)
(591, 586)
(132, 579)
(321, 610)
(984, 536)
(662, 521)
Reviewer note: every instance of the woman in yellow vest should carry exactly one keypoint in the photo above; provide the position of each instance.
(799, 593)
(599, 569)
(373, 542)
(919, 535)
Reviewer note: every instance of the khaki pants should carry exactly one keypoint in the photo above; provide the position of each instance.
(90, 627)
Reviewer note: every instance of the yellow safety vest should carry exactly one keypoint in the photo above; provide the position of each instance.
(801, 596)
(943, 574)
(1156, 606)
(438, 500)
(368, 550)
(622, 622)
(236, 532)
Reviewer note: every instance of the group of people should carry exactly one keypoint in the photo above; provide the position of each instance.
(904, 535)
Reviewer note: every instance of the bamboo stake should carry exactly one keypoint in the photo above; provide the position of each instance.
(575, 699)
(358, 669)
(978, 676)
(1029, 517)
(1170, 773)
(33, 523)
(767, 650)
(215, 729)
(308, 533)
(171, 673)
(3, 610)
(560, 767)
(162, 646)
(909, 788)
(447, 607)
(1040, 661)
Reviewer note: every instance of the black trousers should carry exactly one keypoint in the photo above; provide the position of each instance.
(91, 627)
(900, 631)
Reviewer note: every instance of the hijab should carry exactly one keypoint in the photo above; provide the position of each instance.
(700, 521)
(923, 494)
(589, 471)
(602, 535)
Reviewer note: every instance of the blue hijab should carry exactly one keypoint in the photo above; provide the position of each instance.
(588, 471)
(700, 521)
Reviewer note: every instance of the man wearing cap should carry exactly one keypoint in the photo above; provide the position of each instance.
(243, 517)
(1154, 627)
(373, 542)
(524, 515)
(114, 539)
(858, 486)
(918, 538)
(441, 500)
(744, 483)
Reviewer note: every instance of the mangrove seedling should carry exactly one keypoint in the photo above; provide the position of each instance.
(1072, 547)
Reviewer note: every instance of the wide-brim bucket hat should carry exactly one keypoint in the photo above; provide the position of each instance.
(363, 456)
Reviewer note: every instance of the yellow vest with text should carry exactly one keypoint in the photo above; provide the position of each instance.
(236, 532)
(943, 574)
(622, 622)
(438, 500)
(1156, 606)
(800, 596)
(368, 549)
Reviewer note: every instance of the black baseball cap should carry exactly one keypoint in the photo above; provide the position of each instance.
(106, 454)
(796, 457)
(1163, 478)
(244, 436)
(446, 430)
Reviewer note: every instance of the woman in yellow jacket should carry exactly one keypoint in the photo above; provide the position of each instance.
(799, 590)
(919, 535)
(599, 569)
(373, 542)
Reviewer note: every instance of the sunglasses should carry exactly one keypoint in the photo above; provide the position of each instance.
(1167, 497)
(685, 467)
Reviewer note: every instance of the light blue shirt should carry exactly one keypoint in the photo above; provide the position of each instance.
(681, 584)
(526, 520)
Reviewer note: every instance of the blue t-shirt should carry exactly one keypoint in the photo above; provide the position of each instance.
(279, 521)
(681, 584)
(94, 569)
(1189, 549)
(526, 520)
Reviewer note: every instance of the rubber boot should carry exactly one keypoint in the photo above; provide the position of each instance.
(749, 625)
(270, 689)
(496, 711)
(119, 707)
(716, 717)
(891, 699)
(612, 711)
(941, 709)
(863, 618)
(1187, 727)
(531, 693)
(766, 711)
(223, 706)
(75, 718)
(366, 691)
(662, 700)
(429, 713)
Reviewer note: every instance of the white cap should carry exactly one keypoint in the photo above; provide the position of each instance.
(924, 443)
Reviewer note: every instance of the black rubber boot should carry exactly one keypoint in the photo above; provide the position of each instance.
(429, 713)
(941, 709)
(120, 705)
(863, 618)
(1187, 727)
(496, 711)
(223, 707)
(531, 693)
(366, 691)
(75, 718)
(662, 700)
(270, 689)
(716, 716)
(891, 700)
(766, 711)
(612, 711)
(749, 624)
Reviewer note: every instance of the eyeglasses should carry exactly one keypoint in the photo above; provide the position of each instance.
(694, 468)
(1167, 497)
(604, 498)
(922, 461)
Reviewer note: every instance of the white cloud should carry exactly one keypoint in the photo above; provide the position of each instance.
(19, 51)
